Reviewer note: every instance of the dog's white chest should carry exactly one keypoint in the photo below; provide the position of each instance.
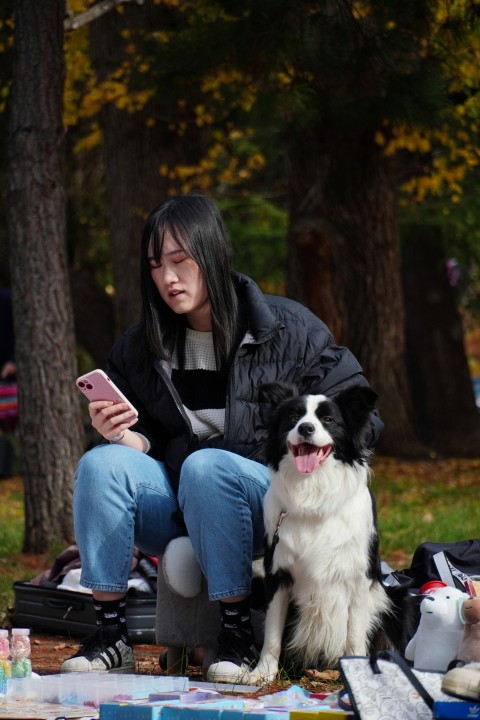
(316, 548)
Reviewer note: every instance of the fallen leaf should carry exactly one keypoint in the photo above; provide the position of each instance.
(325, 675)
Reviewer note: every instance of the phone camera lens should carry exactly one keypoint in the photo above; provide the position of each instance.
(89, 386)
(81, 383)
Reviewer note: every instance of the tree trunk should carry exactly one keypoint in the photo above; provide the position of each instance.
(133, 156)
(133, 153)
(343, 237)
(447, 416)
(51, 432)
(136, 144)
(311, 274)
(93, 311)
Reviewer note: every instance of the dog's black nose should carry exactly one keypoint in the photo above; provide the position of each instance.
(306, 429)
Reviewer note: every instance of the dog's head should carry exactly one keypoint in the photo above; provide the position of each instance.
(309, 429)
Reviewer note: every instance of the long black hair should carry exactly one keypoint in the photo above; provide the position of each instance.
(196, 224)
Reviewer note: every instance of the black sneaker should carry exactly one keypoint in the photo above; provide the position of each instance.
(235, 656)
(104, 650)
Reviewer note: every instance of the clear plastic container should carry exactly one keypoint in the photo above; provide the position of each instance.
(4, 653)
(5, 664)
(20, 651)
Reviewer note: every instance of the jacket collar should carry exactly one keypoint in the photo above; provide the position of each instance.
(260, 320)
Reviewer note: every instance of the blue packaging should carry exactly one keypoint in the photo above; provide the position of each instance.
(456, 709)
(208, 710)
(128, 711)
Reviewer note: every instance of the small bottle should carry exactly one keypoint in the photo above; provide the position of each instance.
(5, 665)
(20, 652)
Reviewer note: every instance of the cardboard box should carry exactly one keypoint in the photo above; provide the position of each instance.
(207, 710)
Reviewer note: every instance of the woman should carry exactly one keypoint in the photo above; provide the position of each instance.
(193, 461)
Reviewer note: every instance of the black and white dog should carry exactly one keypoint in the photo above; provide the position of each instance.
(321, 556)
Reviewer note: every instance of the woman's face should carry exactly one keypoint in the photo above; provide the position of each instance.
(181, 284)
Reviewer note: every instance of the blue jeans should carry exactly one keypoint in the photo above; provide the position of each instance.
(123, 498)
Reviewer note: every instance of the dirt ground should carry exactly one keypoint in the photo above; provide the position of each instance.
(49, 651)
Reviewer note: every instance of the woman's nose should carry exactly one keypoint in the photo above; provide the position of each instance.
(170, 275)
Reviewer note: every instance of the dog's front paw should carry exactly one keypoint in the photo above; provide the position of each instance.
(265, 672)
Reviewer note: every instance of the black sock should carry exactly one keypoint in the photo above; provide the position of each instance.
(236, 615)
(111, 613)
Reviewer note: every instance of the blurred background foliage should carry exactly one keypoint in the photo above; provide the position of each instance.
(338, 138)
(186, 72)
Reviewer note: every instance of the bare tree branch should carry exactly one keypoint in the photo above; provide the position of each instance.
(72, 22)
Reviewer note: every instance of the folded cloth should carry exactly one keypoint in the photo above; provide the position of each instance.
(71, 581)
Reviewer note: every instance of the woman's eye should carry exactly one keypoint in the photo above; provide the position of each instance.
(154, 264)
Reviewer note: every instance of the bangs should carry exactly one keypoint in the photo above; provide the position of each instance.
(157, 239)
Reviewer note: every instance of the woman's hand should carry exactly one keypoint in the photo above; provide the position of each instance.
(9, 369)
(111, 420)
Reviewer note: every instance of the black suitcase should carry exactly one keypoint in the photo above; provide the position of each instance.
(64, 612)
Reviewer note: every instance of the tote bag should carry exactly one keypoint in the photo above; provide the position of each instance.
(383, 687)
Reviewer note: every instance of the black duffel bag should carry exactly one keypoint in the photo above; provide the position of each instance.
(453, 563)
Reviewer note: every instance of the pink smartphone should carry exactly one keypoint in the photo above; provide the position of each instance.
(96, 385)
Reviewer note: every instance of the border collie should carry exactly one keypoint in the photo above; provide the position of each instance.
(321, 543)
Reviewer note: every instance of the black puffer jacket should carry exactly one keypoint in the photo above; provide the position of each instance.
(284, 341)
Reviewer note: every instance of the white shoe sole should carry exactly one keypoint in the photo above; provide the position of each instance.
(72, 669)
(121, 653)
(228, 672)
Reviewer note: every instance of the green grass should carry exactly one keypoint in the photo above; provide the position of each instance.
(417, 502)
(11, 538)
(421, 502)
(14, 565)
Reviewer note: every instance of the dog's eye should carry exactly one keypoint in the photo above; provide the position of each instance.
(294, 419)
(327, 419)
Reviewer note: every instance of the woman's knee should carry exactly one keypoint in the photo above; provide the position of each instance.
(200, 462)
(99, 467)
(201, 473)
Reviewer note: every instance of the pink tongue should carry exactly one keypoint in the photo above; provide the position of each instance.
(308, 459)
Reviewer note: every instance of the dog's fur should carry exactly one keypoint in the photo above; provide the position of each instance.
(321, 554)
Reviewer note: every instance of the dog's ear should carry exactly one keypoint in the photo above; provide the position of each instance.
(271, 395)
(356, 403)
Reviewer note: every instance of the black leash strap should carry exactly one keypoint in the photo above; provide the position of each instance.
(275, 539)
